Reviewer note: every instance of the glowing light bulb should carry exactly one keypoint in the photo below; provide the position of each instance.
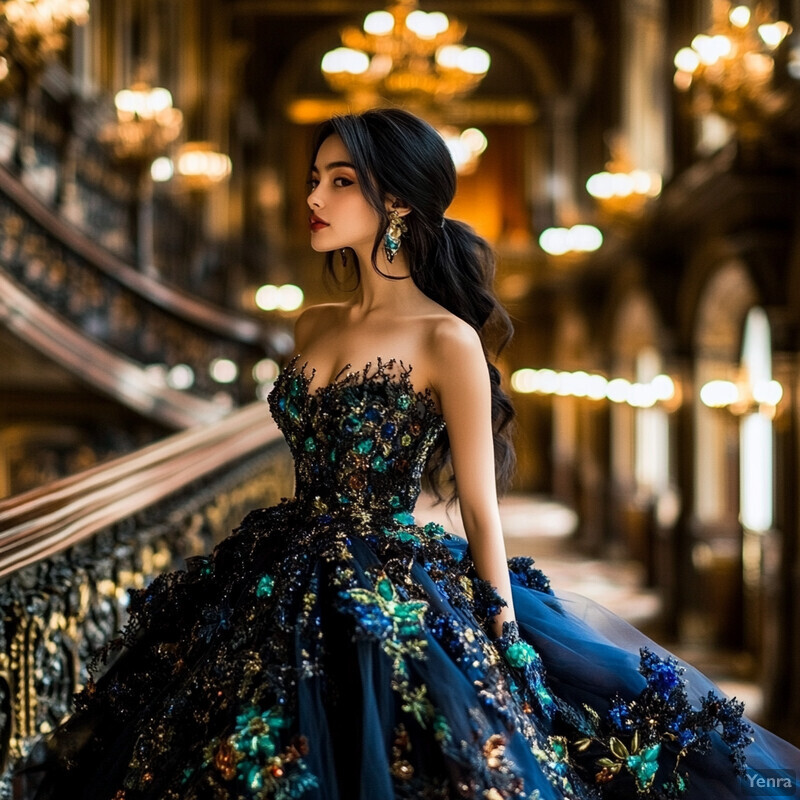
(718, 394)
(265, 370)
(686, 59)
(162, 169)
(524, 380)
(378, 23)
(345, 59)
(475, 140)
(740, 16)
(223, 370)
(181, 376)
(773, 34)
(585, 238)
(447, 56)
(768, 393)
(290, 297)
(664, 387)
(475, 61)
(554, 241)
(617, 390)
(267, 297)
(600, 186)
(547, 381)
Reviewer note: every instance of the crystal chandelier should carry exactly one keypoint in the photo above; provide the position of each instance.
(730, 69)
(147, 123)
(32, 32)
(407, 55)
(620, 190)
(197, 167)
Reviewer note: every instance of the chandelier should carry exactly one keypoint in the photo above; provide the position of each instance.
(404, 54)
(197, 167)
(146, 123)
(621, 191)
(33, 32)
(730, 69)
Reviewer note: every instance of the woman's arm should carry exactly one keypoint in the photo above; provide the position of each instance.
(464, 390)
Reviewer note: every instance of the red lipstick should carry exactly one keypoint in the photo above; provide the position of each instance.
(316, 223)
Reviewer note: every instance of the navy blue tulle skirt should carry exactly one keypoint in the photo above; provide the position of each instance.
(327, 663)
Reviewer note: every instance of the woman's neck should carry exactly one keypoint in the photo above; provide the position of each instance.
(378, 292)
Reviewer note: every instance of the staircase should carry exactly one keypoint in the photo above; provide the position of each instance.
(105, 341)
(69, 552)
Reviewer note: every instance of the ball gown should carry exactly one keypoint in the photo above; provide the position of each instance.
(333, 648)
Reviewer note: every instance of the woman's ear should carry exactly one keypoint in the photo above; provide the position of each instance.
(396, 204)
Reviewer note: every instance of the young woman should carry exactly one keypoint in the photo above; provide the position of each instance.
(334, 648)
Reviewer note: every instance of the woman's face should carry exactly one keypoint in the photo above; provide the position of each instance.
(340, 214)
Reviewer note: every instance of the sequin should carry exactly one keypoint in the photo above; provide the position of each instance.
(265, 586)
(339, 579)
(373, 415)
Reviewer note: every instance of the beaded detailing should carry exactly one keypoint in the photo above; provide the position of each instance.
(331, 636)
(360, 442)
(390, 370)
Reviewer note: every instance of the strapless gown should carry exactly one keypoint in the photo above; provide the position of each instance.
(333, 648)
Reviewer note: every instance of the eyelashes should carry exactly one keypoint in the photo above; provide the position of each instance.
(340, 183)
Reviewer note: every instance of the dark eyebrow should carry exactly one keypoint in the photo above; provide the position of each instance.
(334, 165)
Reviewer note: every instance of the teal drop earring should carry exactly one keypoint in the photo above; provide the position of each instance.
(394, 233)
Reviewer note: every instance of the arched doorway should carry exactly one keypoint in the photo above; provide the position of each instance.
(716, 547)
(639, 433)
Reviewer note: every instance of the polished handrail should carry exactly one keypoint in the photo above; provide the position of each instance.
(44, 521)
(96, 364)
(181, 304)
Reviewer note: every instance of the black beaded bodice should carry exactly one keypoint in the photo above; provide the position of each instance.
(360, 442)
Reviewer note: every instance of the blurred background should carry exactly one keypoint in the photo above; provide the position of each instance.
(635, 163)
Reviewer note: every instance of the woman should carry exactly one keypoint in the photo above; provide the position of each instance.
(331, 647)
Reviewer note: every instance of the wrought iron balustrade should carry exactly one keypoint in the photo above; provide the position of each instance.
(50, 139)
(139, 317)
(70, 551)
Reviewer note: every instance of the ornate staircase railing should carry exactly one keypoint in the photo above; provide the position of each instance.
(124, 380)
(69, 552)
(137, 315)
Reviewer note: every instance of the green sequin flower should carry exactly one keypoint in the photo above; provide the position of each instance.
(364, 446)
(265, 586)
(417, 704)
(383, 614)
(253, 753)
(644, 766)
(520, 654)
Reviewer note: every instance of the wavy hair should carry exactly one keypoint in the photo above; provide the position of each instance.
(395, 152)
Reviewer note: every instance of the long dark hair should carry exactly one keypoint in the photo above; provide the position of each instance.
(396, 153)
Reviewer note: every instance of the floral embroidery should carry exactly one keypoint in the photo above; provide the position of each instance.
(252, 755)
(648, 737)
(225, 658)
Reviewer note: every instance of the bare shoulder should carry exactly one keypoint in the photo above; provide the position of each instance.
(313, 321)
(455, 354)
(454, 341)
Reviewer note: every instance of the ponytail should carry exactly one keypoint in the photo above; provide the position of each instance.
(459, 275)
